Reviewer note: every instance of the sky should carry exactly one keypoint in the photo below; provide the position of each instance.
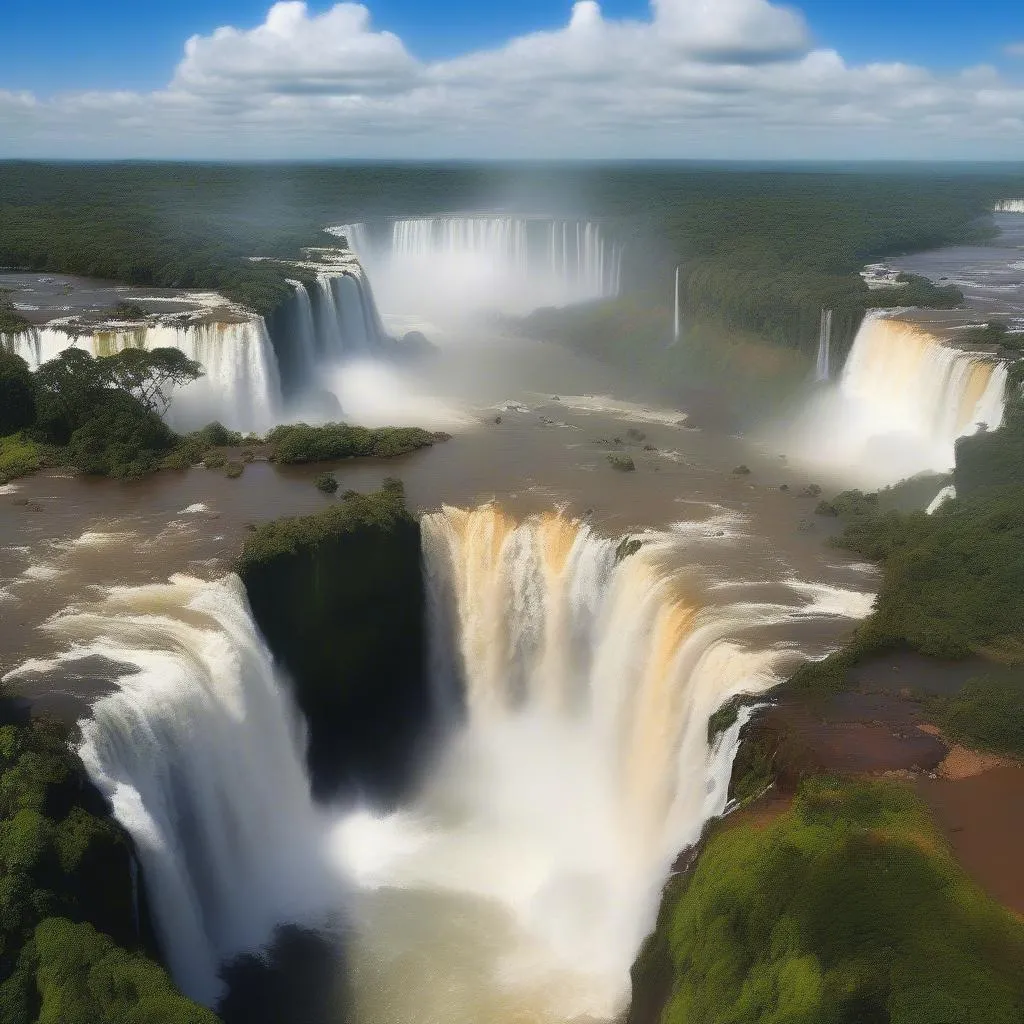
(422, 79)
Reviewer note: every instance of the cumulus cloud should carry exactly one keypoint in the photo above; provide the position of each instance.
(697, 78)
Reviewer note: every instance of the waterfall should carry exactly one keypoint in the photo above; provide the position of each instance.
(675, 308)
(508, 262)
(346, 317)
(304, 333)
(823, 369)
(1010, 206)
(201, 756)
(903, 398)
(578, 687)
(241, 384)
(947, 493)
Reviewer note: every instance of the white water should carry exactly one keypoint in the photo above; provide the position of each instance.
(201, 756)
(945, 494)
(1010, 206)
(578, 691)
(240, 386)
(823, 368)
(438, 265)
(675, 308)
(902, 400)
(520, 880)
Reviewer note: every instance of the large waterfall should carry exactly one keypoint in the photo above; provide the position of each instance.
(512, 263)
(201, 755)
(240, 386)
(902, 400)
(255, 373)
(576, 676)
(578, 684)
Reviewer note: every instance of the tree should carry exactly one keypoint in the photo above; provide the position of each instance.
(150, 376)
(17, 395)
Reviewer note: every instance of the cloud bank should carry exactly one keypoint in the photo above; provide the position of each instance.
(696, 78)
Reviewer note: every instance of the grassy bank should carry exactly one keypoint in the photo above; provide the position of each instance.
(846, 909)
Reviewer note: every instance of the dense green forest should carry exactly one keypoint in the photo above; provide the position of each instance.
(762, 250)
(846, 909)
(70, 946)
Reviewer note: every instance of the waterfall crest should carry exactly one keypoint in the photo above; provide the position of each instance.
(201, 755)
(241, 384)
(579, 685)
(903, 398)
(509, 262)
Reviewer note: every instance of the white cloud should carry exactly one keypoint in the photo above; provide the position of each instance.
(698, 78)
(1015, 49)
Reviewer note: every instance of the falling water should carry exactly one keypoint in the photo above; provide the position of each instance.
(508, 262)
(823, 369)
(578, 687)
(1010, 206)
(675, 308)
(241, 384)
(902, 400)
(201, 756)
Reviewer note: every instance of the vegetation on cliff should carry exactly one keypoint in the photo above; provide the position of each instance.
(846, 909)
(299, 442)
(339, 597)
(69, 944)
(987, 714)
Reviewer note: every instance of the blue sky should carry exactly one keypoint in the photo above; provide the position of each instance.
(704, 78)
(124, 44)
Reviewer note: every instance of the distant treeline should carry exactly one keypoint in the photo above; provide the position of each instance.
(761, 250)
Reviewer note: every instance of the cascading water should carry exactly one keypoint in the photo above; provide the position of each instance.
(578, 685)
(506, 262)
(201, 756)
(1010, 206)
(576, 681)
(240, 386)
(902, 400)
(823, 367)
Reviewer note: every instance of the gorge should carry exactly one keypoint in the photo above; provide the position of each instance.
(461, 718)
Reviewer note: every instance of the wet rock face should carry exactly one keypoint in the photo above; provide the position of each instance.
(342, 608)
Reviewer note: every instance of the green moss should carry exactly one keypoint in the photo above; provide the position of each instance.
(846, 909)
(19, 456)
(987, 714)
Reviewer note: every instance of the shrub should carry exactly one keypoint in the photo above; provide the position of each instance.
(297, 443)
(742, 470)
(987, 714)
(17, 393)
(215, 460)
(121, 438)
(234, 470)
(216, 435)
(623, 463)
(19, 456)
(326, 482)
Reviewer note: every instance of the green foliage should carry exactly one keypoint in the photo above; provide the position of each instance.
(128, 311)
(121, 438)
(987, 714)
(951, 581)
(233, 470)
(215, 460)
(849, 505)
(326, 482)
(17, 393)
(149, 375)
(19, 456)
(995, 332)
(64, 873)
(299, 442)
(845, 910)
(626, 547)
(11, 321)
(623, 463)
(216, 435)
(84, 978)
